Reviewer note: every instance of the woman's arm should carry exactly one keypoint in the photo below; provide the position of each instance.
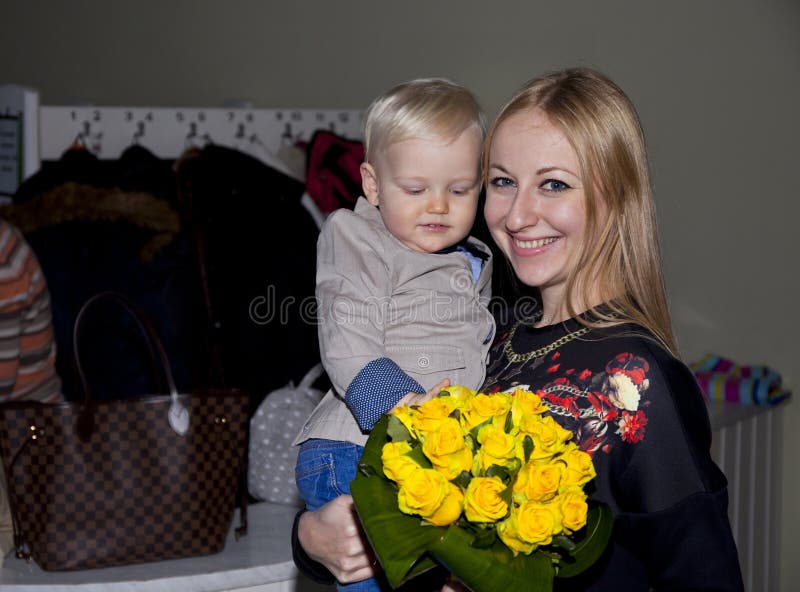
(686, 547)
(328, 543)
(674, 497)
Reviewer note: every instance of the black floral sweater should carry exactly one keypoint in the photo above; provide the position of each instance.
(640, 414)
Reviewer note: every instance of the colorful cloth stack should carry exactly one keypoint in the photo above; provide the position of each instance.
(724, 380)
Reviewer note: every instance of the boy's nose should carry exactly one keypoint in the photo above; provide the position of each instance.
(437, 204)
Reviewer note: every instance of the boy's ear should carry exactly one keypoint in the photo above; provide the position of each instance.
(369, 183)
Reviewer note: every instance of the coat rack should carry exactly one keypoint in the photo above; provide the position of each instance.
(167, 132)
(30, 132)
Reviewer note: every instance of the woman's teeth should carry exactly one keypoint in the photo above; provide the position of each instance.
(534, 244)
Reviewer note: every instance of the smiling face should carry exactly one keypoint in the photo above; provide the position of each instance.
(426, 189)
(536, 204)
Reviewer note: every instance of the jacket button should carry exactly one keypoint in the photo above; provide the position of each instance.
(423, 361)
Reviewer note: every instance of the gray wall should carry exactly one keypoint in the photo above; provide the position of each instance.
(717, 85)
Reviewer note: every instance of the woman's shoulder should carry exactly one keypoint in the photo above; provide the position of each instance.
(631, 353)
(633, 345)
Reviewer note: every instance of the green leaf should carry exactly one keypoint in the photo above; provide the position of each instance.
(506, 495)
(494, 569)
(499, 471)
(509, 425)
(527, 447)
(463, 479)
(419, 457)
(471, 442)
(399, 540)
(374, 447)
(599, 524)
(564, 542)
(397, 430)
(484, 538)
(443, 393)
(366, 469)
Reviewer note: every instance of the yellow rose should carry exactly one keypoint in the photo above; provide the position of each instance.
(573, 509)
(460, 395)
(548, 436)
(482, 501)
(396, 465)
(525, 403)
(447, 450)
(578, 467)
(508, 532)
(422, 492)
(537, 523)
(497, 447)
(482, 407)
(450, 509)
(406, 415)
(538, 482)
(430, 415)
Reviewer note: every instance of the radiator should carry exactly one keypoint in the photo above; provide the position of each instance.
(746, 445)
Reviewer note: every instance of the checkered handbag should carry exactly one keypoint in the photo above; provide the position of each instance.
(100, 483)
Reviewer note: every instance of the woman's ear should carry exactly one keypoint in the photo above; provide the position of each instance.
(369, 183)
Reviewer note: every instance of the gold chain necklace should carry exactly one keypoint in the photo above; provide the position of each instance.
(537, 353)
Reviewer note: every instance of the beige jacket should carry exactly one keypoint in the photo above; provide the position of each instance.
(378, 298)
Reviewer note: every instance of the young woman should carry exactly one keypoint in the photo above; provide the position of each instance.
(568, 202)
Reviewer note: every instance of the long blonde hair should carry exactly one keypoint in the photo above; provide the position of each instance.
(620, 256)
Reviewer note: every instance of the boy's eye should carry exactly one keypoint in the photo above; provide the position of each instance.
(414, 190)
(501, 182)
(554, 185)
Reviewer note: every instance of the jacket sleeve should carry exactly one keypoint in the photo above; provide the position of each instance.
(353, 295)
(28, 330)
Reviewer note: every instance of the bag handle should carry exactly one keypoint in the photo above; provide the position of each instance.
(311, 376)
(178, 414)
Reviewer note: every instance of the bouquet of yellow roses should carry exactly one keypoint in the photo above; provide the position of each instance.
(486, 485)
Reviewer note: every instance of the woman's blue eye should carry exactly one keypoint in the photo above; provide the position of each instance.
(501, 182)
(554, 185)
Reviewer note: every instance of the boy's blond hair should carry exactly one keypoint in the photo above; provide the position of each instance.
(424, 108)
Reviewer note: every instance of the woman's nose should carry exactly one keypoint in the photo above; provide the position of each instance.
(437, 203)
(524, 212)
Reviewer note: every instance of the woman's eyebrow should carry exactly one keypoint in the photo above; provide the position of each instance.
(550, 169)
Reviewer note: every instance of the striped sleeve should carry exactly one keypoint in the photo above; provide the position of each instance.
(27, 347)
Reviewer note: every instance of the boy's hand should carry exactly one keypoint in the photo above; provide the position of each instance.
(419, 399)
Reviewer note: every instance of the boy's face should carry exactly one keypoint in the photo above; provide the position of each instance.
(427, 190)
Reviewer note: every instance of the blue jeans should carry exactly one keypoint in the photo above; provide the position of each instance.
(324, 470)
